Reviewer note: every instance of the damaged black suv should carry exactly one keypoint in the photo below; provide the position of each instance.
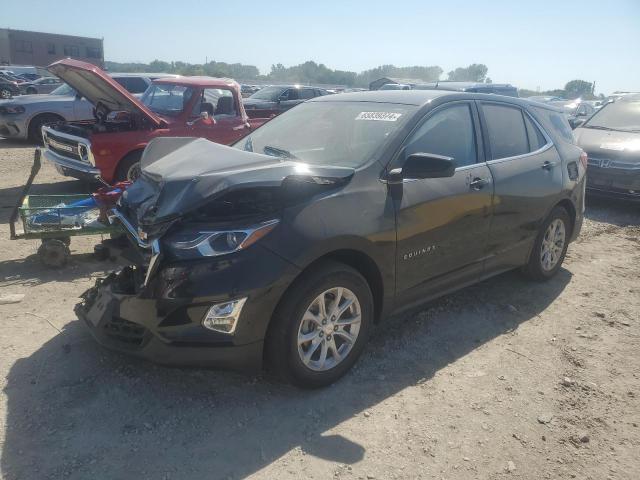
(291, 245)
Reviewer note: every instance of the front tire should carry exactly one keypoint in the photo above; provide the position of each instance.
(321, 326)
(35, 126)
(129, 167)
(550, 246)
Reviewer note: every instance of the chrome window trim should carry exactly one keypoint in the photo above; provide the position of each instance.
(542, 149)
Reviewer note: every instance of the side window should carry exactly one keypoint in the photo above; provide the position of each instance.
(507, 132)
(293, 94)
(447, 132)
(305, 93)
(136, 85)
(216, 102)
(536, 138)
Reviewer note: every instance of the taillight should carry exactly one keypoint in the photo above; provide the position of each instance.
(584, 159)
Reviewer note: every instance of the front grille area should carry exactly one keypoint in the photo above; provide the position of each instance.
(123, 331)
(63, 146)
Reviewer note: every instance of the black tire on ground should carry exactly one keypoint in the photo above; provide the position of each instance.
(54, 253)
(65, 240)
(534, 269)
(282, 354)
(5, 93)
(127, 167)
(36, 124)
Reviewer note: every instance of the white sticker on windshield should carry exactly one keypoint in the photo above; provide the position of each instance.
(379, 116)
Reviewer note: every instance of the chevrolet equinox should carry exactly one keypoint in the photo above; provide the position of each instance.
(290, 246)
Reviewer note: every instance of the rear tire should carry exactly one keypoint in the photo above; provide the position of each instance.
(54, 253)
(550, 246)
(129, 167)
(339, 335)
(36, 124)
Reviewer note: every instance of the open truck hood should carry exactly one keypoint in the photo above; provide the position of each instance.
(96, 86)
(181, 175)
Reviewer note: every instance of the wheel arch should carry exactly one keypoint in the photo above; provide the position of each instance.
(363, 264)
(41, 114)
(568, 205)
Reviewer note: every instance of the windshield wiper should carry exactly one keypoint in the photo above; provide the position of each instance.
(278, 152)
(598, 127)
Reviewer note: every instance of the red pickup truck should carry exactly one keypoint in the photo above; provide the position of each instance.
(109, 148)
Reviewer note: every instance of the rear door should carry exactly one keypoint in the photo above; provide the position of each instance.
(527, 175)
(443, 223)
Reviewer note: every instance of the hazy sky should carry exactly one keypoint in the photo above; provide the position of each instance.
(531, 44)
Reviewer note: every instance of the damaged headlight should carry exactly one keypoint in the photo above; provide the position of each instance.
(215, 243)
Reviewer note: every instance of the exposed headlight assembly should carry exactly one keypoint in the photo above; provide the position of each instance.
(215, 243)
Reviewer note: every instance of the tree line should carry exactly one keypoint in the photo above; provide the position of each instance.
(308, 72)
(311, 72)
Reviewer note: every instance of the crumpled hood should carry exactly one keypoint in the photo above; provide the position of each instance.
(179, 175)
(609, 143)
(96, 86)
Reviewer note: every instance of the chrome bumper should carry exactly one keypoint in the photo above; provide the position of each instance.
(62, 163)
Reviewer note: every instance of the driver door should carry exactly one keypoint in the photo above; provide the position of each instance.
(224, 125)
(443, 223)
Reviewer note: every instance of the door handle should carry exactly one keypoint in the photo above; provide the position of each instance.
(477, 183)
(548, 165)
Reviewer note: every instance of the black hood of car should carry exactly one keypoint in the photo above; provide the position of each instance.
(609, 143)
(182, 175)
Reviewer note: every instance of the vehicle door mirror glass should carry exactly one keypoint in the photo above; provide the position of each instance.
(428, 165)
(576, 122)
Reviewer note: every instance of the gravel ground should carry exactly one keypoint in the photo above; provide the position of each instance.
(505, 379)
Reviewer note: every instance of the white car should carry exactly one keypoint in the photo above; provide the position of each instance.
(22, 117)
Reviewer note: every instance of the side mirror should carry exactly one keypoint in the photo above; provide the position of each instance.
(577, 122)
(428, 165)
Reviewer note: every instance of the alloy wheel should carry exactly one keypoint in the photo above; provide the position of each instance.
(552, 244)
(134, 172)
(5, 93)
(329, 329)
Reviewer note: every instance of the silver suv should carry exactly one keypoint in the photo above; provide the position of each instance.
(23, 117)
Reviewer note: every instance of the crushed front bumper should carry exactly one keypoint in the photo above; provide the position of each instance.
(126, 324)
(162, 321)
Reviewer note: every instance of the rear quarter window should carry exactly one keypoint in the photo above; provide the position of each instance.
(554, 123)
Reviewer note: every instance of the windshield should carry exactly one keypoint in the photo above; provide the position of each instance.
(268, 93)
(167, 99)
(329, 133)
(620, 115)
(63, 89)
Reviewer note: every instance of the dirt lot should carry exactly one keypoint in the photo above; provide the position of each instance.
(506, 379)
